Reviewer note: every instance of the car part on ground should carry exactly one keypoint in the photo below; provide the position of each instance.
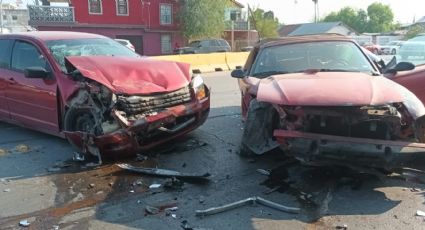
(249, 201)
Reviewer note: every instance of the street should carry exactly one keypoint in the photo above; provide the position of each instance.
(41, 183)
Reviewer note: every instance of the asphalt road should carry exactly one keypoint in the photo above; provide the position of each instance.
(40, 183)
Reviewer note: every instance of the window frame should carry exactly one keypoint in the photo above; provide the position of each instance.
(160, 14)
(48, 66)
(100, 6)
(117, 8)
(14, 17)
(170, 44)
(9, 51)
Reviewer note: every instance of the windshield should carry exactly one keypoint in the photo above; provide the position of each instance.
(325, 56)
(87, 47)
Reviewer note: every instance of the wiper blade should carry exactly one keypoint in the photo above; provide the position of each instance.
(336, 70)
(268, 73)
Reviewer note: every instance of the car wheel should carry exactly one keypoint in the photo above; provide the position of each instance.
(81, 119)
(393, 52)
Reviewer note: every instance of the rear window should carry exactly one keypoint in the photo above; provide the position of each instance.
(223, 43)
(5, 47)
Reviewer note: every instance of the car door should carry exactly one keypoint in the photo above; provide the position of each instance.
(32, 101)
(413, 80)
(5, 53)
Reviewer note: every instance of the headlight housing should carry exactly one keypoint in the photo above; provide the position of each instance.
(199, 87)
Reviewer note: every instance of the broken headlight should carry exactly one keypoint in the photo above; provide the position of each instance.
(199, 87)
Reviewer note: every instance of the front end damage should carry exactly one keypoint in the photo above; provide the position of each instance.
(323, 125)
(104, 121)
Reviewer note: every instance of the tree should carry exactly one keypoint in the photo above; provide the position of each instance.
(414, 31)
(202, 18)
(265, 23)
(380, 18)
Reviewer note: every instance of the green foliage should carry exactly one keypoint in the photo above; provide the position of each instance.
(378, 18)
(203, 18)
(265, 23)
(414, 31)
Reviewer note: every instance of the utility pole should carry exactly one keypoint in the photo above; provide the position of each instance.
(316, 10)
(1, 16)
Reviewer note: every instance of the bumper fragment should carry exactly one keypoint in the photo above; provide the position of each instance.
(349, 151)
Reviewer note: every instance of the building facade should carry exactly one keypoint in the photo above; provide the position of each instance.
(14, 20)
(152, 26)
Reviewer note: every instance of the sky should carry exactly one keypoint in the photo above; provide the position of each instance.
(302, 11)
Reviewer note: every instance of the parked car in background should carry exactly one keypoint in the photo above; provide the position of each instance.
(376, 49)
(321, 99)
(126, 43)
(413, 50)
(205, 46)
(101, 96)
(391, 48)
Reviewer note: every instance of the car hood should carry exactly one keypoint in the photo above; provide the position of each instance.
(127, 75)
(328, 89)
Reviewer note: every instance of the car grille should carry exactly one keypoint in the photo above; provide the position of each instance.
(135, 105)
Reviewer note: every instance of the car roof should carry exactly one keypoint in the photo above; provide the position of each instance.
(304, 38)
(53, 35)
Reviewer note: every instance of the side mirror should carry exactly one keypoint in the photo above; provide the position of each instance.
(238, 73)
(36, 72)
(401, 66)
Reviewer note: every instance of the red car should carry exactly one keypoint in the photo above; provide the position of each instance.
(322, 99)
(376, 49)
(100, 95)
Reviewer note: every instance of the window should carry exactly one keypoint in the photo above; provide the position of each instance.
(5, 47)
(166, 44)
(26, 55)
(14, 17)
(95, 6)
(4, 17)
(122, 7)
(166, 14)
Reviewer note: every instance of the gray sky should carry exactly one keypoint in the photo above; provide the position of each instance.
(300, 11)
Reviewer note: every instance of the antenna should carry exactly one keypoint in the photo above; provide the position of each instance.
(255, 23)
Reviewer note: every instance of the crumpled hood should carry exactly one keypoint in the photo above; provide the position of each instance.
(127, 75)
(328, 89)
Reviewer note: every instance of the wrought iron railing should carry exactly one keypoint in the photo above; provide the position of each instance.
(53, 14)
(238, 25)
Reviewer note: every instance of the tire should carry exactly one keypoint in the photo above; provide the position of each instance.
(81, 119)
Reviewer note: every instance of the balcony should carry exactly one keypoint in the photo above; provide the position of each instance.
(51, 14)
(238, 25)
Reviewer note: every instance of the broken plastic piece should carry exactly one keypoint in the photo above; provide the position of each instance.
(24, 223)
(251, 200)
(263, 172)
(420, 213)
(153, 186)
(163, 172)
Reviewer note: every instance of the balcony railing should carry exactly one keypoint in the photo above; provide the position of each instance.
(51, 14)
(238, 25)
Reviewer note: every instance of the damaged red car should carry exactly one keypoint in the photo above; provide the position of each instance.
(322, 99)
(97, 93)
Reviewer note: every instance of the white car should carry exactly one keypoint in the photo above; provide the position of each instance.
(126, 43)
(391, 48)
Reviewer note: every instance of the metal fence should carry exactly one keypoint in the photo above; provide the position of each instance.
(51, 14)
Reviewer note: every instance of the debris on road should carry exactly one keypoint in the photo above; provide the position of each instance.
(151, 210)
(92, 185)
(22, 148)
(420, 213)
(173, 183)
(263, 172)
(24, 223)
(251, 201)
(342, 227)
(201, 199)
(154, 186)
(164, 172)
(3, 152)
(6, 190)
(55, 227)
(78, 157)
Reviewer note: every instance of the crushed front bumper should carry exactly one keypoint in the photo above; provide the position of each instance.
(126, 141)
(319, 149)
